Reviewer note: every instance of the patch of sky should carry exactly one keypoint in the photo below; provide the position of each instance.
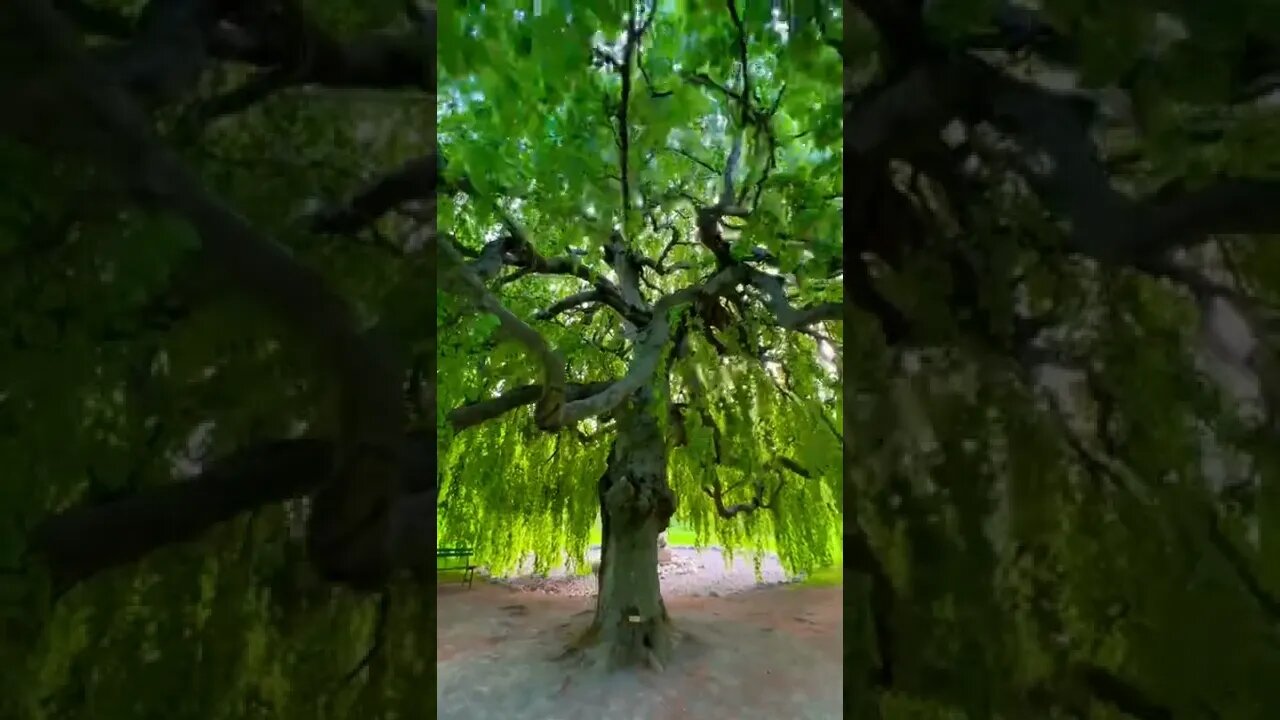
(780, 26)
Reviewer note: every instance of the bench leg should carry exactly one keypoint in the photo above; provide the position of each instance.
(469, 576)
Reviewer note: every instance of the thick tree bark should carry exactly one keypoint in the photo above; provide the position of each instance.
(631, 623)
(602, 492)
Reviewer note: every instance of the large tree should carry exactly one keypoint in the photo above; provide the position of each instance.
(640, 220)
(194, 332)
(1061, 490)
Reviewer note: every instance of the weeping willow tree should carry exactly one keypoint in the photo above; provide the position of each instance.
(1060, 469)
(190, 270)
(640, 315)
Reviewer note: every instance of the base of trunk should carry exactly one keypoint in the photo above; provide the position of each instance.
(628, 644)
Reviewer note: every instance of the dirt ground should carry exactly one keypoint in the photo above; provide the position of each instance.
(772, 652)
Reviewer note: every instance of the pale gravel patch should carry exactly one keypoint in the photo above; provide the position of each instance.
(691, 571)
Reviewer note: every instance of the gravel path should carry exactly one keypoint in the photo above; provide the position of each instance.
(689, 571)
(760, 655)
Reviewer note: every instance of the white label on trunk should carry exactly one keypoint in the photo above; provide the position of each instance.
(634, 618)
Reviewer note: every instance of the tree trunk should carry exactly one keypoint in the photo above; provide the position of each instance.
(631, 623)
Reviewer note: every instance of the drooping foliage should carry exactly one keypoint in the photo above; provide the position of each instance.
(1059, 469)
(128, 365)
(576, 127)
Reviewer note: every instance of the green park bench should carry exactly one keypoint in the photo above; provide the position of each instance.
(455, 559)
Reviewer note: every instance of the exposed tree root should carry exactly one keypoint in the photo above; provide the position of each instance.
(651, 647)
(580, 642)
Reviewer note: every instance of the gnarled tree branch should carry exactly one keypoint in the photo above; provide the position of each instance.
(569, 303)
(414, 180)
(789, 316)
(475, 413)
(80, 542)
(716, 492)
(551, 405)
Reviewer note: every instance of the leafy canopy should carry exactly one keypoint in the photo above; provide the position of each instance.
(533, 122)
